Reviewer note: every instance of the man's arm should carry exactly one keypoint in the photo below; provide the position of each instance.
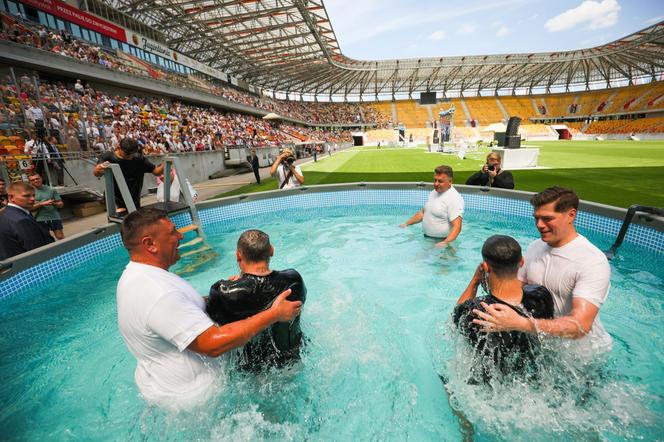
(471, 290)
(414, 219)
(158, 170)
(454, 232)
(217, 340)
(275, 165)
(298, 176)
(576, 325)
(504, 180)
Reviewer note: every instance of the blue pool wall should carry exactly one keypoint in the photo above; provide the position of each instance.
(42, 265)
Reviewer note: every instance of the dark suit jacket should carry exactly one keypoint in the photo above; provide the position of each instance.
(19, 232)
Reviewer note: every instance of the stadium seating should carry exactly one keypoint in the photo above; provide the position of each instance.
(521, 107)
(484, 110)
(642, 125)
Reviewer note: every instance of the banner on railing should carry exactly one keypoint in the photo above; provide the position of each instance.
(69, 13)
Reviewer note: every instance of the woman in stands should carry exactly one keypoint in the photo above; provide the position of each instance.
(492, 174)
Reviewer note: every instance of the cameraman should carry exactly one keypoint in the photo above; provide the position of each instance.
(286, 172)
(492, 175)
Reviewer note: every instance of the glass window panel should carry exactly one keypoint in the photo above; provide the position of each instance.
(75, 30)
(13, 8)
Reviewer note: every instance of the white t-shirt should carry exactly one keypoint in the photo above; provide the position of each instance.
(292, 182)
(159, 315)
(576, 270)
(439, 210)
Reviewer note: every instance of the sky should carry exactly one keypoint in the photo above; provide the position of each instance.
(384, 29)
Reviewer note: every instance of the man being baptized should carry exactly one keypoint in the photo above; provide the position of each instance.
(252, 291)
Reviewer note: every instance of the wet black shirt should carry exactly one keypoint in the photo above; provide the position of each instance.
(510, 351)
(231, 301)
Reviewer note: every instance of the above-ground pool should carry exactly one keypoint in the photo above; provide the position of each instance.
(377, 328)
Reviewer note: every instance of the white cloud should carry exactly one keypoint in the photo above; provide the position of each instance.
(602, 14)
(503, 31)
(438, 35)
(353, 28)
(466, 28)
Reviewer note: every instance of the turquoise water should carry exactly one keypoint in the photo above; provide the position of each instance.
(376, 320)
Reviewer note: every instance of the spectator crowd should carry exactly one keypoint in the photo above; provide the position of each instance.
(62, 43)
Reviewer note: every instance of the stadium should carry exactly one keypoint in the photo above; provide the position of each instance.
(219, 92)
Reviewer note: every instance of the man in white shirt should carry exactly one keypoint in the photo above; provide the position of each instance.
(288, 175)
(162, 318)
(442, 214)
(575, 271)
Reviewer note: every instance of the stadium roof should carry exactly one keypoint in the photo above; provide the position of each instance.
(289, 46)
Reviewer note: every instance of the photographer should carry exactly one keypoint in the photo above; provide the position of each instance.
(492, 175)
(287, 173)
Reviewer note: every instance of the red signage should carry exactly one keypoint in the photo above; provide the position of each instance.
(81, 18)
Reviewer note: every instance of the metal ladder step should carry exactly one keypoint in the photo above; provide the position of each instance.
(189, 228)
(193, 252)
(193, 242)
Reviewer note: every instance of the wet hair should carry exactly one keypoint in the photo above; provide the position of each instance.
(136, 222)
(254, 246)
(19, 186)
(565, 199)
(444, 170)
(503, 254)
(129, 146)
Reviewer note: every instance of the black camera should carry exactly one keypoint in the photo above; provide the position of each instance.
(491, 167)
(289, 160)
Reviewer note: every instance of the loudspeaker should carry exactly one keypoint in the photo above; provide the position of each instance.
(428, 98)
(500, 138)
(513, 126)
(514, 142)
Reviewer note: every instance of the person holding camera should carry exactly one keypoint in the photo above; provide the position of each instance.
(492, 175)
(286, 172)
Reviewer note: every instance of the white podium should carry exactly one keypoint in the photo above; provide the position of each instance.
(518, 158)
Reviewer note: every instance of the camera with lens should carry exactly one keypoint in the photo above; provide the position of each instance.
(289, 160)
(491, 167)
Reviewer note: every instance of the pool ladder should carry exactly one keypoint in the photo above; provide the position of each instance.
(631, 211)
(197, 245)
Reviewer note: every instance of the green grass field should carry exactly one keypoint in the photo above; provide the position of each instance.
(618, 173)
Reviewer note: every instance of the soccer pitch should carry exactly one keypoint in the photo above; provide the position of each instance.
(618, 173)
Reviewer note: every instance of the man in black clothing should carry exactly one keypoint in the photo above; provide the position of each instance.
(134, 165)
(254, 166)
(510, 351)
(492, 174)
(253, 291)
(19, 232)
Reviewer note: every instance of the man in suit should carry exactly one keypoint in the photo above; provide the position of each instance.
(19, 232)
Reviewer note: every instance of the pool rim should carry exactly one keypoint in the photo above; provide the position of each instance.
(15, 265)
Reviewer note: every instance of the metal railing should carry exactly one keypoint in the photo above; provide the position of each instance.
(629, 217)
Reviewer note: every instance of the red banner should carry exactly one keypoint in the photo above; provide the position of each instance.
(81, 18)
